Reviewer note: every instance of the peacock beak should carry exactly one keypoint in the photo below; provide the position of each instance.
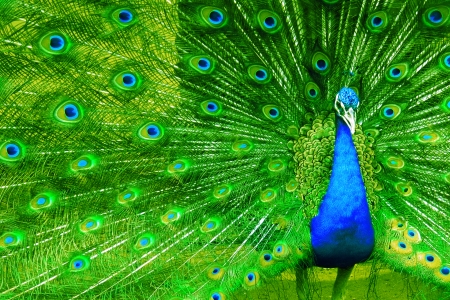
(347, 114)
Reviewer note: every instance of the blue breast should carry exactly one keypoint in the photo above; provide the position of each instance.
(342, 233)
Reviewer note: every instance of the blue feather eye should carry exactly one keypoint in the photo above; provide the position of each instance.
(69, 112)
(444, 62)
(321, 63)
(10, 239)
(79, 263)
(91, 224)
(144, 241)
(377, 22)
(259, 74)
(214, 16)
(218, 296)
(127, 81)
(202, 64)
(266, 259)
(281, 250)
(172, 215)
(124, 17)
(251, 279)
(312, 91)
(210, 225)
(43, 201)
(242, 146)
(11, 151)
(54, 43)
(269, 21)
(397, 72)
(128, 196)
(215, 272)
(211, 107)
(222, 191)
(84, 162)
(390, 111)
(178, 166)
(272, 113)
(429, 259)
(268, 195)
(443, 273)
(151, 131)
(436, 16)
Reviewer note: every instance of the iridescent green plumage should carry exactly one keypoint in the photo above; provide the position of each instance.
(160, 150)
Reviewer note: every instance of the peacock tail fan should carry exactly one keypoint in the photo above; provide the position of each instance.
(179, 149)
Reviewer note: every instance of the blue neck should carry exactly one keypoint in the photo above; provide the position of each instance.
(342, 232)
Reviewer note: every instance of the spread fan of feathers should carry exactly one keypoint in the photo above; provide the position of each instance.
(192, 149)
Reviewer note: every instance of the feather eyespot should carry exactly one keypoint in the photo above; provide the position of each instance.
(390, 111)
(272, 113)
(269, 21)
(79, 263)
(215, 272)
(268, 195)
(54, 43)
(144, 241)
(69, 112)
(259, 74)
(11, 151)
(312, 91)
(202, 64)
(91, 224)
(211, 107)
(11, 239)
(377, 22)
(397, 72)
(214, 17)
(436, 16)
(127, 81)
(444, 62)
(124, 17)
(251, 279)
(151, 131)
(321, 63)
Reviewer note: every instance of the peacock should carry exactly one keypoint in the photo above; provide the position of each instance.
(200, 149)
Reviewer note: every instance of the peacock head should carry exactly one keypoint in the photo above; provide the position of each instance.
(346, 104)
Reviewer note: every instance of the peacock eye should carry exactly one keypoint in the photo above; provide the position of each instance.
(178, 166)
(79, 263)
(276, 165)
(373, 133)
(444, 62)
(145, 241)
(69, 112)
(390, 111)
(54, 43)
(124, 17)
(83, 163)
(151, 132)
(312, 91)
(171, 216)
(127, 81)
(42, 201)
(321, 63)
(397, 72)
(202, 64)
(251, 278)
(127, 196)
(377, 22)
(268, 195)
(427, 137)
(269, 21)
(242, 146)
(217, 296)
(221, 191)
(395, 162)
(215, 272)
(214, 17)
(436, 16)
(259, 74)
(272, 113)
(281, 250)
(11, 151)
(211, 107)
(210, 225)
(91, 224)
(404, 189)
(10, 239)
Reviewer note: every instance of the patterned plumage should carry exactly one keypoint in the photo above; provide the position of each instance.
(190, 149)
